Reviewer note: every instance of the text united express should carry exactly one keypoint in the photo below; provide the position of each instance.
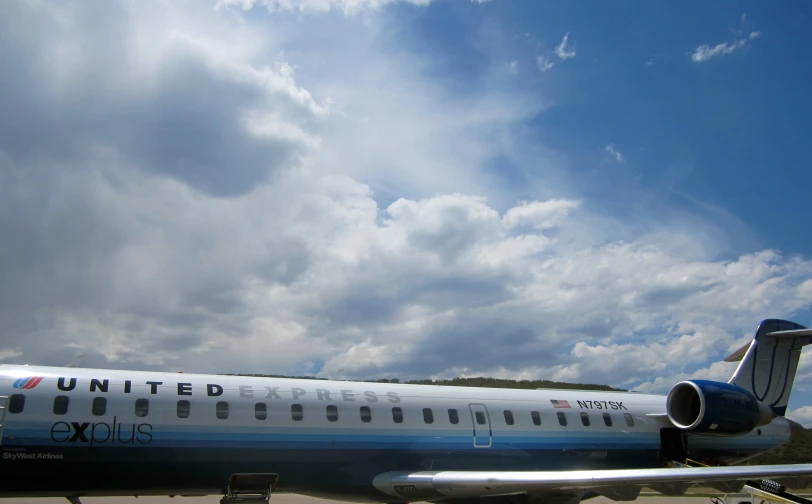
(248, 391)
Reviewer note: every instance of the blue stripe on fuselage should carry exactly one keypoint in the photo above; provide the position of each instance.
(40, 433)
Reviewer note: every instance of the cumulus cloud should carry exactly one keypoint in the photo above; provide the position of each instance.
(802, 415)
(347, 6)
(562, 50)
(718, 371)
(161, 104)
(145, 204)
(539, 214)
(188, 197)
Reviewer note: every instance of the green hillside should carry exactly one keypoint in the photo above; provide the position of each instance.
(799, 451)
(468, 382)
(481, 381)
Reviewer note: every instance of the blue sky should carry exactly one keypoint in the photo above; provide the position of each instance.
(725, 132)
(366, 188)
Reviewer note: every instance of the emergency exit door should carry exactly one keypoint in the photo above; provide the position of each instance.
(483, 436)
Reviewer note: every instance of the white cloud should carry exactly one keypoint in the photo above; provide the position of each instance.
(805, 289)
(802, 415)
(349, 7)
(538, 214)
(717, 371)
(513, 67)
(614, 153)
(562, 51)
(7, 354)
(706, 52)
(544, 63)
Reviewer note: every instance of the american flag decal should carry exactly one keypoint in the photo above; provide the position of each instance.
(560, 404)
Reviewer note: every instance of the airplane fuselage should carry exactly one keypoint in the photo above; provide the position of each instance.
(103, 432)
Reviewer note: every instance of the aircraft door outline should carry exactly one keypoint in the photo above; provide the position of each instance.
(481, 420)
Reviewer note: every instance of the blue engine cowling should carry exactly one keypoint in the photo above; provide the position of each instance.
(708, 407)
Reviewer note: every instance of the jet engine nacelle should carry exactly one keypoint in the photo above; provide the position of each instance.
(708, 407)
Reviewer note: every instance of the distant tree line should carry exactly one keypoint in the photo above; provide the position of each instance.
(480, 381)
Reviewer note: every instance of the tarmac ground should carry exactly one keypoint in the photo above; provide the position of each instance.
(695, 495)
(301, 499)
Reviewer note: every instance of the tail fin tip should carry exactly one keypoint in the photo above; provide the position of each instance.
(769, 362)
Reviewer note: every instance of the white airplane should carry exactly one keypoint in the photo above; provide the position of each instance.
(93, 432)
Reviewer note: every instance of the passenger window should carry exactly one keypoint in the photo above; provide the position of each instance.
(536, 417)
(221, 410)
(332, 413)
(508, 417)
(141, 407)
(366, 414)
(184, 408)
(16, 403)
(428, 416)
(297, 412)
(99, 407)
(562, 418)
(397, 415)
(260, 411)
(585, 419)
(607, 419)
(61, 404)
(453, 416)
(480, 417)
(629, 419)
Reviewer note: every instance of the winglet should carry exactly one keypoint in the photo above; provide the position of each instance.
(739, 354)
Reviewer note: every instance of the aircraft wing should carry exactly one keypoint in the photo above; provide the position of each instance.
(617, 484)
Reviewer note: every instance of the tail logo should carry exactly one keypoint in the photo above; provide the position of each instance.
(28, 382)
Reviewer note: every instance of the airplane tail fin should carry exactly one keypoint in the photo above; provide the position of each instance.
(769, 361)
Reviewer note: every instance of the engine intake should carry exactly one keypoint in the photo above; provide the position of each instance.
(708, 407)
